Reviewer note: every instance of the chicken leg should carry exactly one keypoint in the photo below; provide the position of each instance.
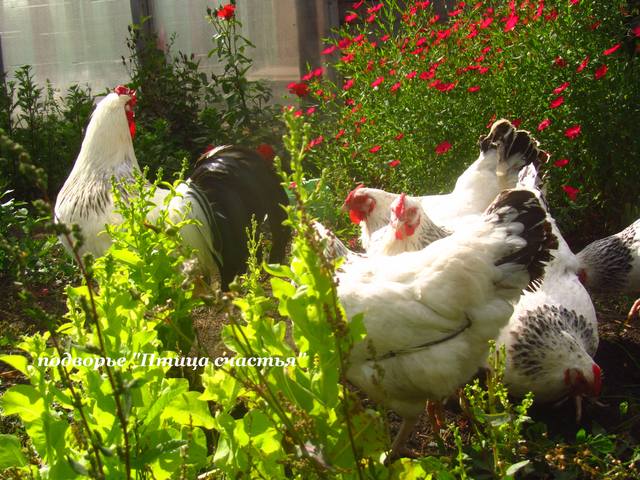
(635, 309)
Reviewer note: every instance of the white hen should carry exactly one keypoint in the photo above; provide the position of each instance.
(503, 152)
(408, 229)
(429, 314)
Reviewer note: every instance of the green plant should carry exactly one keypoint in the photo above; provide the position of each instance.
(49, 128)
(101, 400)
(181, 110)
(417, 92)
(246, 101)
(497, 423)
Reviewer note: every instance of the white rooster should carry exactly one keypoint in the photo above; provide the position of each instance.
(612, 264)
(429, 314)
(228, 186)
(503, 152)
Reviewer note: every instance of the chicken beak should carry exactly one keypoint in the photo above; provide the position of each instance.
(578, 401)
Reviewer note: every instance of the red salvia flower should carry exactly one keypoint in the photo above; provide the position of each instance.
(486, 22)
(377, 82)
(583, 64)
(562, 162)
(227, 12)
(636, 30)
(351, 17)
(385, 37)
(609, 51)
(511, 23)
(556, 102)
(411, 74)
(348, 58)
(375, 8)
(375, 149)
(399, 136)
(552, 15)
(544, 124)
(571, 192)
(315, 142)
(574, 2)
(340, 133)
(595, 25)
(359, 39)
(474, 88)
(371, 18)
(573, 131)
(357, 5)
(517, 122)
(394, 163)
(300, 89)
(443, 147)
(539, 10)
(329, 50)
(560, 62)
(344, 42)
(311, 110)
(601, 71)
(395, 86)
(348, 84)
(561, 88)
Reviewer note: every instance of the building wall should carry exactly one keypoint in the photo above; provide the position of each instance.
(82, 41)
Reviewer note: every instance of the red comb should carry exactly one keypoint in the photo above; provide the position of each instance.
(124, 90)
(352, 194)
(400, 207)
(597, 379)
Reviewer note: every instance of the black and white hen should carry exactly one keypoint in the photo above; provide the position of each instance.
(612, 264)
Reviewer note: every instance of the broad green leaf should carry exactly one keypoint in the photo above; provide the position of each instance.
(19, 362)
(188, 409)
(23, 400)
(126, 256)
(10, 452)
(513, 469)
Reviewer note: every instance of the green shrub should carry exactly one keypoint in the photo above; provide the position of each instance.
(91, 407)
(417, 93)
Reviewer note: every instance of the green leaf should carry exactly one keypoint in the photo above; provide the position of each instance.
(126, 256)
(513, 469)
(24, 401)
(19, 362)
(10, 452)
(188, 409)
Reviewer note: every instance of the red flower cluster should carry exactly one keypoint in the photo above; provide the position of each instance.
(226, 12)
(300, 89)
(443, 147)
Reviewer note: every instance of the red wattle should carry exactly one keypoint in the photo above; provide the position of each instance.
(355, 216)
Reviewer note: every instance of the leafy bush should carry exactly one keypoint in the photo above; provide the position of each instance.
(91, 407)
(181, 110)
(49, 126)
(417, 92)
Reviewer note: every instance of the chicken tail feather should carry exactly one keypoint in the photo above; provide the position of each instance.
(521, 207)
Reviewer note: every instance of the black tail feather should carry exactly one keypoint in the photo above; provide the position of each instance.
(240, 185)
(522, 206)
(517, 148)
